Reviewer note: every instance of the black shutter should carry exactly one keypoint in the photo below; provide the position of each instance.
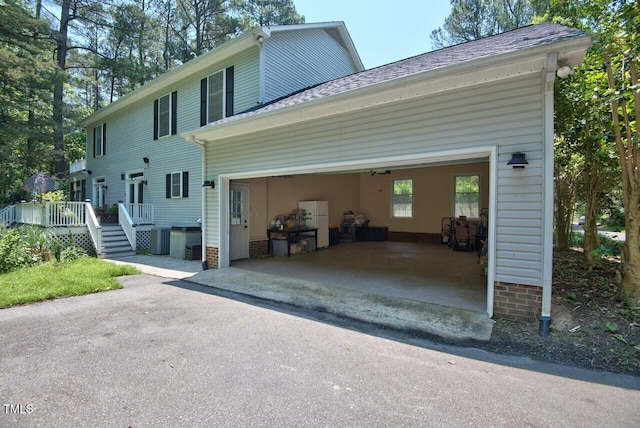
(104, 139)
(155, 119)
(168, 187)
(94, 142)
(185, 184)
(203, 102)
(174, 112)
(229, 92)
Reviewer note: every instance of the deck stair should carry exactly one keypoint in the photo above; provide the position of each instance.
(115, 243)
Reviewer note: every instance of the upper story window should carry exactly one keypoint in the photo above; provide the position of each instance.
(216, 96)
(402, 202)
(100, 140)
(165, 115)
(467, 196)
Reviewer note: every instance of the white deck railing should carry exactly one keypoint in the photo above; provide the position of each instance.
(70, 214)
(94, 227)
(30, 213)
(51, 214)
(65, 214)
(8, 215)
(140, 213)
(126, 222)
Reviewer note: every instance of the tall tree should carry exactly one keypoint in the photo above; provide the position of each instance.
(25, 96)
(266, 12)
(621, 57)
(474, 19)
(203, 25)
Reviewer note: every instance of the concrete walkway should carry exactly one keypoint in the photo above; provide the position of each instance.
(391, 312)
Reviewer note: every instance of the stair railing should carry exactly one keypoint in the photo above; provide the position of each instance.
(126, 222)
(94, 227)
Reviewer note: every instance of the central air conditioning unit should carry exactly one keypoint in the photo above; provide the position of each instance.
(160, 238)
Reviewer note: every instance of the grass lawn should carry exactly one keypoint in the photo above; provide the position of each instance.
(53, 280)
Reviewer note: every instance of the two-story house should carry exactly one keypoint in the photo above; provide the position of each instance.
(398, 143)
(135, 153)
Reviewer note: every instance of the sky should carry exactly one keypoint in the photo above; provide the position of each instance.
(382, 31)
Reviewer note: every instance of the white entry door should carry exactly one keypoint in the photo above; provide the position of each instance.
(239, 221)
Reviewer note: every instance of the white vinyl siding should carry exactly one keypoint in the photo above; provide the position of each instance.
(303, 59)
(131, 140)
(507, 114)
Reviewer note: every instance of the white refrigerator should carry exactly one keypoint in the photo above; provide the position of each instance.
(317, 216)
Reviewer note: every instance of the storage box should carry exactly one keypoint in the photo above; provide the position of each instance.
(309, 242)
(279, 247)
(298, 247)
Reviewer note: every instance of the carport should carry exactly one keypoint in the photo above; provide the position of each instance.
(488, 99)
(413, 264)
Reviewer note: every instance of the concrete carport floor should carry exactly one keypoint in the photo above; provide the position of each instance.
(428, 273)
(419, 288)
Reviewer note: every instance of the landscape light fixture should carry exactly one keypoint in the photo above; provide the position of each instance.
(518, 160)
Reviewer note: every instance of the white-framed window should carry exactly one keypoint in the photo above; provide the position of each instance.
(164, 115)
(402, 200)
(216, 96)
(177, 184)
(467, 195)
(99, 140)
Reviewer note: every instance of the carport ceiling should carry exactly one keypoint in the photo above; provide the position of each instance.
(381, 167)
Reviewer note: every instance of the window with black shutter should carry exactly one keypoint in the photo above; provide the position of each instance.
(165, 115)
(216, 96)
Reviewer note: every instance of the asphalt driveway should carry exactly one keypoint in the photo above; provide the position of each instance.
(168, 353)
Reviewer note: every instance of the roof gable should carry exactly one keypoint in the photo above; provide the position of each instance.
(250, 38)
(523, 40)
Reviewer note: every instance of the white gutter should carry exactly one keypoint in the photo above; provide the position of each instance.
(549, 75)
(203, 145)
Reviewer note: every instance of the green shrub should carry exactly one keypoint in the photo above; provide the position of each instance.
(72, 253)
(15, 252)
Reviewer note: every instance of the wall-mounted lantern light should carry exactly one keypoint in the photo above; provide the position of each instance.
(210, 184)
(144, 182)
(145, 159)
(518, 160)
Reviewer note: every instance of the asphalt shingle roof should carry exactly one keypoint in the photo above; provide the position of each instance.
(510, 41)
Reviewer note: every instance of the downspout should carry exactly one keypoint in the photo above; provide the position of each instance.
(203, 146)
(547, 171)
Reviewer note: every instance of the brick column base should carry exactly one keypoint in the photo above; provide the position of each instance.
(258, 249)
(212, 258)
(517, 302)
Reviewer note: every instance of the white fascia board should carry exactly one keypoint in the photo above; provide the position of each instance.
(481, 71)
(161, 84)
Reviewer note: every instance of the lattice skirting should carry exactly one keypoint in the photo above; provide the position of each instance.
(82, 240)
(143, 239)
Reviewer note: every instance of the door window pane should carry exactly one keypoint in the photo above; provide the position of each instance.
(236, 207)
